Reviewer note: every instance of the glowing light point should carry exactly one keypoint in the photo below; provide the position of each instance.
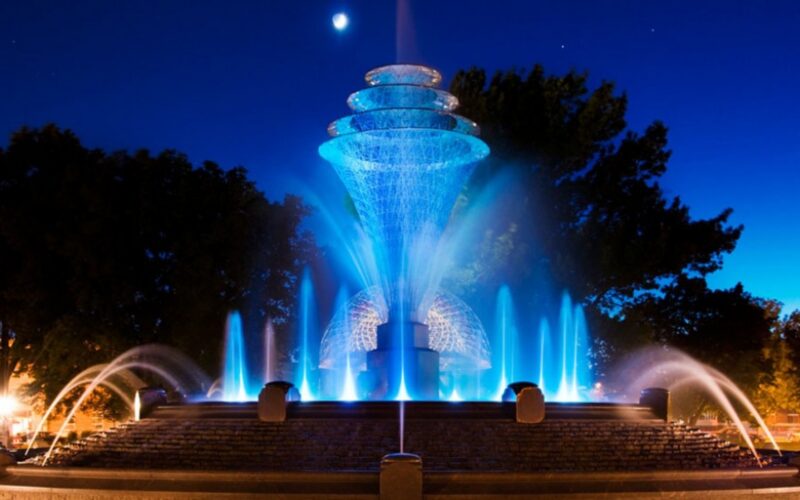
(402, 392)
(137, 407)
(340, 21)
(349, 391)
(7, 405)
(305, 391)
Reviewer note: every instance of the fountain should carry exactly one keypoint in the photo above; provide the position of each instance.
(403, 157)
(270, 355)
(170, 366)
(306, 311)
(676, 370)
(234, 370)
(506, 340)
(404, 340)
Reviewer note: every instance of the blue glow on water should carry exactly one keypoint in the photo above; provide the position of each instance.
(402, 391)
(505, 341)
(234, 371)
(565, 331)
(455, 397)
(560, 363)
(545, 353)
(305, 312)
(581, 367)
(404, 157)
(574, 374)
(342, 382)
(349, 392)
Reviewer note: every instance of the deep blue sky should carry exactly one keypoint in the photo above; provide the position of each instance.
(256, 82)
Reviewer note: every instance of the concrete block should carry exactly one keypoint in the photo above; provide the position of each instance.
(658, 400)
(273, 398)
(401, 477)
(421, 364)
(529, 401)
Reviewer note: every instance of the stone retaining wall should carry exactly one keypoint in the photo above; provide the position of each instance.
(444, 445)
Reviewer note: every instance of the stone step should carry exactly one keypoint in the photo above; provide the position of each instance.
(444, 444)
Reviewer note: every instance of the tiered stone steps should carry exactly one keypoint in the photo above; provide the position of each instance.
(483, 438)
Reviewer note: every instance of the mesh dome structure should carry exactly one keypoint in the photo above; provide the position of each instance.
(456, 331)
(403, 156)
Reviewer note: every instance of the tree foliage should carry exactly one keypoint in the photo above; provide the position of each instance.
(590, 208)
(100, 252)
(779, 389)
(586, 212)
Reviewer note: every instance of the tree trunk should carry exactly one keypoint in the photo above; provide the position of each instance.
(5, 358)
(5, 378)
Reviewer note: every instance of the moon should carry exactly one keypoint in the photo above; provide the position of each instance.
(340, 21)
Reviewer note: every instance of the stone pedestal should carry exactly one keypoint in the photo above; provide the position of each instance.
(401, 477)
(657, 398)
(529, 401)
(402, 348)
(273, 399)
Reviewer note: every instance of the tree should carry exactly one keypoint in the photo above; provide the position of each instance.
(727, 329)
(100, 252)
(588, 212)
(585, 212)
(779, 389)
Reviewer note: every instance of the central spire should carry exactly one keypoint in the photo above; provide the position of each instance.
(404, 156)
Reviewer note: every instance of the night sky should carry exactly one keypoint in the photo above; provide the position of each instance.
(255, 83)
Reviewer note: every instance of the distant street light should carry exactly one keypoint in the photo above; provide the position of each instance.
(8, 404)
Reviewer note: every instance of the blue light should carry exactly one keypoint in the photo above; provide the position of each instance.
(349, 392)
(403, 165)
(404, 157)
(506, 340)
(234, 374)
(306, 308)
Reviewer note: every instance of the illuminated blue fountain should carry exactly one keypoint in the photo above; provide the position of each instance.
(306, 310)
(403, 156)
(562, 355)
(505, 341)
(234, 371)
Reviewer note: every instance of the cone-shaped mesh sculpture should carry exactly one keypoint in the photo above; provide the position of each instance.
(404, 157)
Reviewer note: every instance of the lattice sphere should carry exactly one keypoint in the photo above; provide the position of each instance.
(456, 331)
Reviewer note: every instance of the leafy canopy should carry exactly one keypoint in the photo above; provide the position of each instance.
(586, 213)
(100, 252)
(588, 210)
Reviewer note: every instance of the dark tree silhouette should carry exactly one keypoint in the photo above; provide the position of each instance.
(587, 214)
(724, 328)
(100, 252)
